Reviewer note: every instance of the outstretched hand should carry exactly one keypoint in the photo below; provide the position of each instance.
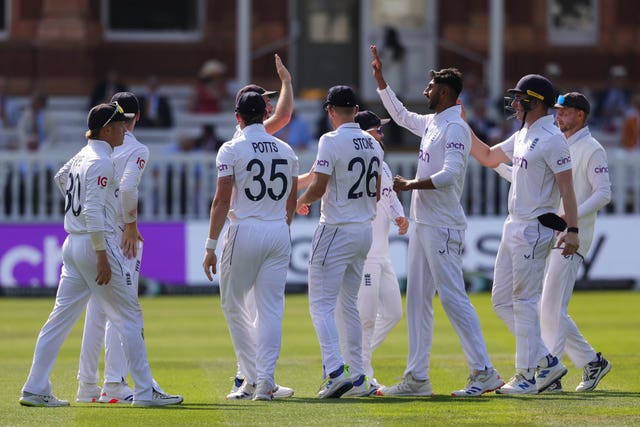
(283, 73)
(376, 66)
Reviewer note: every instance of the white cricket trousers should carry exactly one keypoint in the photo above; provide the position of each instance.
(77, 285)
(517, 285)
(379, 305)
(335, 270)
(435, 264)
(559, 331)
(255, 256)
(98, 330)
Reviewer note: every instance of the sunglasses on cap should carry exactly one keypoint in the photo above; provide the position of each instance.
(116, 111)
(378, 129)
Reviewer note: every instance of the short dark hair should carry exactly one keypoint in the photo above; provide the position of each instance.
(451, 77)
(252, 119)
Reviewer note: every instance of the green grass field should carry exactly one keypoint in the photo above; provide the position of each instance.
(190, 353)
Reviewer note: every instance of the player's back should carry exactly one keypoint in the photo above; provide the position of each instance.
(90, 190)
(263, 168)
(353, 160)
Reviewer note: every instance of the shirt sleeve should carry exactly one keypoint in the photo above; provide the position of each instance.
(96, 186)
(456, 152)
(134, 168)
(557, 154)
(62, 177)
(598, 177)
(415, 123)
(325, 162)
(225, 161)
(507, 145)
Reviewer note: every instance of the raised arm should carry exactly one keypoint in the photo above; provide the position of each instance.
(487, 156)
(284, 107)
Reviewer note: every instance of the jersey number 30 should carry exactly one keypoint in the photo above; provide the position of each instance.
(72, 200)
(274, 176)
(372, 175)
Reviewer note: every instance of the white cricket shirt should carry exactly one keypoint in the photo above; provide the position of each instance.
(90, 190)
(443, 156)
(537, 152)
(129, 160)
(262, 167)
(352, 158)
(590, 182)
(388, 209)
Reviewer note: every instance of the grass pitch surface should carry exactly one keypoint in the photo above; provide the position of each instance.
(190, 353)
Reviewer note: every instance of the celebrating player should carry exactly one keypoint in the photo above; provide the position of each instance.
(435, 243)
(593, 191)
(379, 299)
(93, 265)
(257, 187)
(129, 160)
(541, 174)
(346, 177)
(276, 119)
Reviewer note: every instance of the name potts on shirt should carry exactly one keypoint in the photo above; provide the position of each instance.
(264, 147)
(363, 143)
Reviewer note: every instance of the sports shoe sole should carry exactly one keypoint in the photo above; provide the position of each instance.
(338, 392)
(453, 394)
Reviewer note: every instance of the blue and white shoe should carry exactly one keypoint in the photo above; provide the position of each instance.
(545, 376)
(335, 385)
(237, 383)
(480, 383)
(593, 373)
(361, 388)
(518, 384)
(245, 392)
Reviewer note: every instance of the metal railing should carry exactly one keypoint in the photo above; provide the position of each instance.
(181, 186)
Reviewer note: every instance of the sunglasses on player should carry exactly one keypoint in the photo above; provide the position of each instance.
(116, 111)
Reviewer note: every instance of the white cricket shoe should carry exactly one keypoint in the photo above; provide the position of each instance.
(245, 392)
(116, 393)
(545, 376)
(518, 384)
(480, 383)
(264, 391)
(593, 373)
(88, 393)
(159, 399)
(361, 388)
(333, 388)
(30, 399)
(237, 383)
(409, 386)
(282, 392)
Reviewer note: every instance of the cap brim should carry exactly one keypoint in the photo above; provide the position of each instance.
(384, 121)
(514, 91)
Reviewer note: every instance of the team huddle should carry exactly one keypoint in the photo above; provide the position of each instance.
(559, 181)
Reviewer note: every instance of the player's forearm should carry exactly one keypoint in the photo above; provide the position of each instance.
(284, 109)
(129, 200)
(568, 200)
(423, 184)
(219, 211)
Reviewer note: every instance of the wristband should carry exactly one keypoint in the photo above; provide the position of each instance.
(211, 244)
(572, 230)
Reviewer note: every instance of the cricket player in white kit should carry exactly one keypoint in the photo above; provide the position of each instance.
(277, 118)
(92, 264)
(436, 241)
(541, 174)
(257, 186)
(379, 299)
(346, 177)
(593, 191)
(129, 160)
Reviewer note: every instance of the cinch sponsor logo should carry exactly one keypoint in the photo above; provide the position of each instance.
(386, 191)
(102, 181)
(222, 167)
(520, 162)
(601, 169)
(321, 162)
(424, 156)
(564, 161)
(140, 162)
(456, 145)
